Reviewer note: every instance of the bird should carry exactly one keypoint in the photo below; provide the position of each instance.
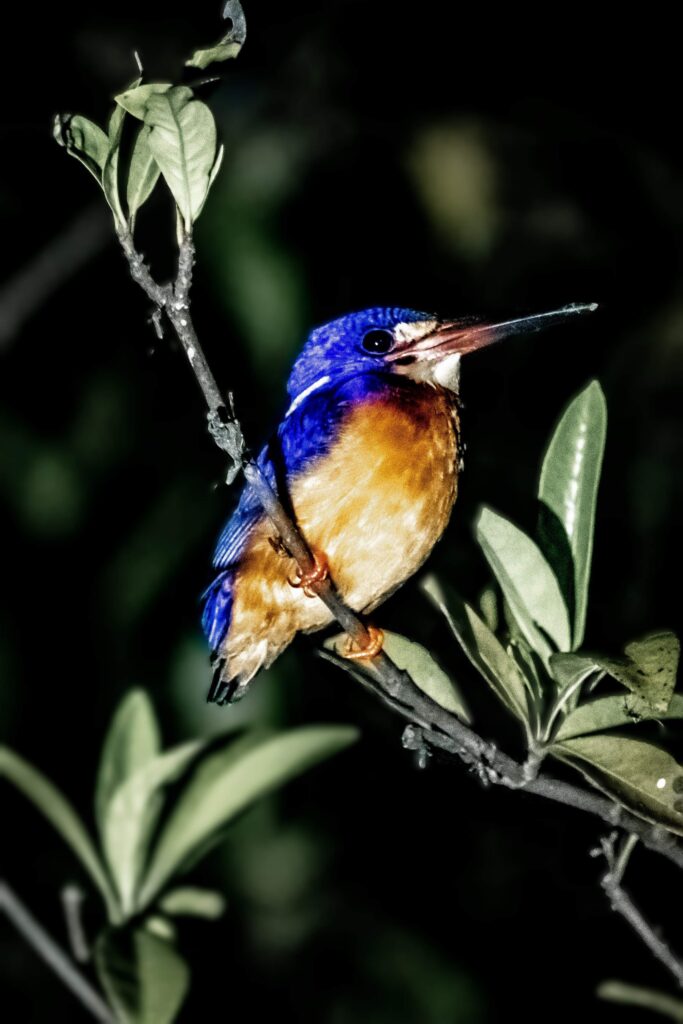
(366, 459)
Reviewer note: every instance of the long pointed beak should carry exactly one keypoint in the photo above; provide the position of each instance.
(457, 337)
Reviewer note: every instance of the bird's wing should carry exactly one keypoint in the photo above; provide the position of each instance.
(305, 434)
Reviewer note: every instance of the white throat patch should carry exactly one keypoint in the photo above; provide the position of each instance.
(447, 372)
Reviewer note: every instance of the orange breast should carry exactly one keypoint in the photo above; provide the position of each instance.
(375, 505)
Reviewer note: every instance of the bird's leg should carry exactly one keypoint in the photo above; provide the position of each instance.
(307, 580)
(354, 652)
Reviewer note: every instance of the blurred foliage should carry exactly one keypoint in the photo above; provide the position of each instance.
(147, 838)
(334, 195)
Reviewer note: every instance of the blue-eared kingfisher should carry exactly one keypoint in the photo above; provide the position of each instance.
(366, 460)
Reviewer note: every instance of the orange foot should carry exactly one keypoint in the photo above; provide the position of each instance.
(307, 580)
(354, 652)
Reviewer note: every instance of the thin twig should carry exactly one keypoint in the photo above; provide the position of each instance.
(616, 855)
(438, 728)
(64, 255)
(46, 947)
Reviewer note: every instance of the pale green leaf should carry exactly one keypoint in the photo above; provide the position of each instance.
(110, 171)
(63, 818)
(189, 901)
(488, 606)
(161, 927)
(648, 671)
(483, 649)
(83, 140)
(420, 666)
(212, 177)
(567, 490)
(231, 43)
(144, 977)
(134, 100)
(571, 672)
(642, 777)
(143, 173)
(227, 782)
(570, 669)
(528, 583)
(132, 740)
(183, 142)
(611, 713)
(132, 814)
(645, 998)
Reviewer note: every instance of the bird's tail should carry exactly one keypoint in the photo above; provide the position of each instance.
(234, 668)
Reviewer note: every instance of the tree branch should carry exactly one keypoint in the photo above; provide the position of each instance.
(438, 728)
(616, 856)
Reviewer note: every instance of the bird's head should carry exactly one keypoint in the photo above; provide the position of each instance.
(404, 342)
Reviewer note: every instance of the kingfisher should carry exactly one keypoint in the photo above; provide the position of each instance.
(366, 460)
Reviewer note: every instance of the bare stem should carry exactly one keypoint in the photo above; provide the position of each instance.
(439, 729)
(617, 856)
(46, 947)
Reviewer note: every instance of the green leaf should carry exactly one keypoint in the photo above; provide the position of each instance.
(567, 490)
(488, 606)
(570, 669)
(63, 818)
(642, 777)
(83, 140)
(143, 174)
(110, 171)
(231, 43)
(192, 902)
(610, 713)
(161, 927)
(183, 142)
(483, 649)
(134, 100)
(420, 665)
(227, 782)
(646, 998)
(143, 976)
(133, 813)
(132, 741)
(527, 581)
(212, 177)
(648, 671)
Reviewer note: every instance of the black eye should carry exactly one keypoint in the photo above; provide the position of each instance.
(378, 342)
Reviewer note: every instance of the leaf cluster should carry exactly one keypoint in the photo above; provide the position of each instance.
(175, 139)
(525, 638)
(149, 835)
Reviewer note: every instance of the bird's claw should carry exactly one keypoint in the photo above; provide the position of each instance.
(306, 581)
(354, 652)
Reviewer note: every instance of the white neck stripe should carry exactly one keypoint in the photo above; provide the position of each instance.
(306, 392)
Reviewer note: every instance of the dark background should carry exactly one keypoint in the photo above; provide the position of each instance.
(376, 153)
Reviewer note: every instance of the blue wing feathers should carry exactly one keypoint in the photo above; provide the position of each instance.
(217, 609)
